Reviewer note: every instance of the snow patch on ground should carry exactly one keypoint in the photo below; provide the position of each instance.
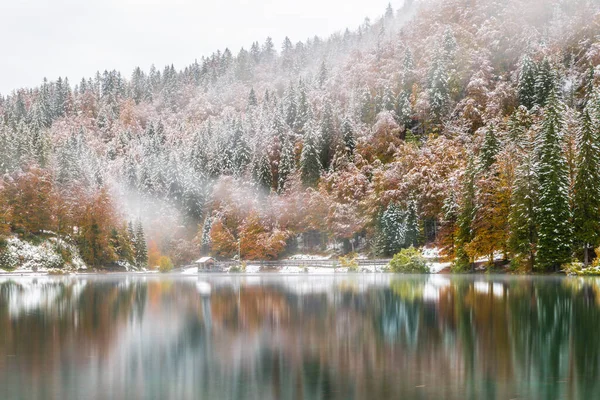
(308, 257)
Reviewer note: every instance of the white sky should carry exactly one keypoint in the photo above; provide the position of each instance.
(76, 38)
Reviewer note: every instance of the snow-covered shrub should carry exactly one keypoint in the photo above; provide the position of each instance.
(44, 255)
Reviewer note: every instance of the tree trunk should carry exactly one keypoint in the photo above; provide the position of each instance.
(585, 255)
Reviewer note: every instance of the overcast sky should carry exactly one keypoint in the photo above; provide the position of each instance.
(76, 38)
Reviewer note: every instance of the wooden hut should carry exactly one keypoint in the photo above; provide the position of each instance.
(206, 264)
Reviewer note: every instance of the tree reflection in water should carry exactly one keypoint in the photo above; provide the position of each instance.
(302, 337)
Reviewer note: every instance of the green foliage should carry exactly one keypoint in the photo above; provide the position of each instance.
(526, 86)
(467, 208)
(409, 261)
(554, 215)
(310, 159)
(349, 261)
(240, 268)
(141, 249)
(165, 264)
(586, 218)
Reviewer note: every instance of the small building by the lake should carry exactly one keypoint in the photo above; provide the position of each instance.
(206, 264)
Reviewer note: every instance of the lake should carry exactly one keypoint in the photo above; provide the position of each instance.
(362, 336)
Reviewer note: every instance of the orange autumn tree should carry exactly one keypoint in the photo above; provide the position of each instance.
(94, 221)
(5, 212)
(154, 254)
(223, 242)
(258, 241)
(29, 195)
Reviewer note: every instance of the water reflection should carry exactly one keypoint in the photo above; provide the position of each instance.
(299, 337)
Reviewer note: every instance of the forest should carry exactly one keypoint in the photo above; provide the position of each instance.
(469, 125)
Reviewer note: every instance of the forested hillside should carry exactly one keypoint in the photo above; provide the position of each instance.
(473, 125)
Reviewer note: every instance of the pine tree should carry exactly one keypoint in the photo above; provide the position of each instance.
(412, 225)
(322, 74)
(327, 133)
(545, 82)
(586, 215)
(348, 136)
(252, 100)
(287, 163)
(261, 172)
(523, 208)
(303, 111)
(403, 108)
(466, 214)
(241, 150)
(408, 73)
(439, 92)
(490, 149)
(141, 249)
(310, 158)
(553, 215)
(393, 229)
(526, 86)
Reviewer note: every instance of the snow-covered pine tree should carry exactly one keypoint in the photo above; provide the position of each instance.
(553, 213)
(545, 82)
(141, 249)
(412, 225)
(241, 150)
(310, 158)
(303, 110)
(403, 108)
(586, 213)
(261, 171)
(524, 202)
(393, 229)
(348, 136)
(466, 214)
(252, 99)
(327, 134)
(526, 85)
(287, 163)
(439, 92)
(490, 148)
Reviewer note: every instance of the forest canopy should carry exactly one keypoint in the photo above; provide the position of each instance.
(470, 125)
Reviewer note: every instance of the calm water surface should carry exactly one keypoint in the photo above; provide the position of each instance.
(299, 337)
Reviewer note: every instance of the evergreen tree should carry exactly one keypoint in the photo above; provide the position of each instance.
(408, 73)
(527, 80)
(322, 74)
(252, 100)
(348, 136)
(261, 172)
(545, 82)
(412, 225)
(303, 110)
(466, 214)
(141, 249)
(523, 210)
(553, 215)
(241, 150)
(367, 111)
(586, 202)
(393, 230)
(287, 163)
(490, 149)
(310, 158)
(327, 133)
(439, 92)
(403, 109)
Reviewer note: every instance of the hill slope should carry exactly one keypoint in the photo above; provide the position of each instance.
(415, 128)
